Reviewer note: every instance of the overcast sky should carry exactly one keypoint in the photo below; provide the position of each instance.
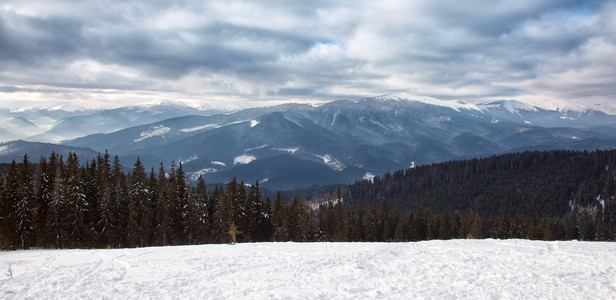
(247, 53)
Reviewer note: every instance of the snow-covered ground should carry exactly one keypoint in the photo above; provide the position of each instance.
(471, 269)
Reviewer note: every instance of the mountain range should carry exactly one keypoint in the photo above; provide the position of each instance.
(54, 125)
(297, 145)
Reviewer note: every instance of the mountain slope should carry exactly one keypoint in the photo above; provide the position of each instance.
(16, 150)
(45, 125)
(353, 138)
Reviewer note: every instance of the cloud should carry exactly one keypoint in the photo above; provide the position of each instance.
(279, 51)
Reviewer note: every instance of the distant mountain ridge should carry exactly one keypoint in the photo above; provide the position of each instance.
(56, 125)
(297, 145)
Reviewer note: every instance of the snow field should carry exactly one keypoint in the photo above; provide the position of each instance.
(468, 269)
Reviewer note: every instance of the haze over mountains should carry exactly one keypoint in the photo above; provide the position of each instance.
(297, 145)
(54, 125)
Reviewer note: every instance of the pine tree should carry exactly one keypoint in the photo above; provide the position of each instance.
(360, 223)
(254, 214)
(153, 208)
(138, 223)
(105, 223)
(163, 224)
(420, 225)
(372, 230)
(91, 189)
(43, 192)
(76, 205)
(445, 225)
(339, 224)
(221, 216)
(476, 230)
(198, 222)
(10, 199)
(212, 215)
(381, 220)
(56, 227)
(300, 226)
(180, 204)
(279, 220)
(24, 209)
(392, 223)
(118, 205)
(266, 225)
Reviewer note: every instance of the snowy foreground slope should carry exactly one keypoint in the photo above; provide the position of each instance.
(472, 269)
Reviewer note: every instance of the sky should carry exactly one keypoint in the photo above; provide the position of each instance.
(231, 53)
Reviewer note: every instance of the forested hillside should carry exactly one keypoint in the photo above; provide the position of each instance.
(551, 183)
(534, 195)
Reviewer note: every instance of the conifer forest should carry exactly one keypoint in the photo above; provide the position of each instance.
(551, 195)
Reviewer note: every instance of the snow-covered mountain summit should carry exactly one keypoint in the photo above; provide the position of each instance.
(454, 104)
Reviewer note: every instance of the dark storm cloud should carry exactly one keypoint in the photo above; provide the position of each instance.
(472, 50)
(30, 40)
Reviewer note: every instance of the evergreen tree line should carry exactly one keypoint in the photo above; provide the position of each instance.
(58, 204)
(375, 223)
(554, 184)
(64, 204)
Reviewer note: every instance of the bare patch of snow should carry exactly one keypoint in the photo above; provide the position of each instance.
(4, 149)
(195, 175)
(527, 122)
(290, 150)
(254, 123)
(369, 176)
(331, 161)
(256, 148)
(243, 159)
(191, 158)
(494, 121)
(152, 132)
(238, 122)
(218, 163)
(184, 130)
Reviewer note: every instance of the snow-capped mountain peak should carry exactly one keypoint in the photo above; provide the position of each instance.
(512, 106)
(453, 104)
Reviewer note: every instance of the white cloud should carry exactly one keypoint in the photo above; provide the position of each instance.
(238, 53)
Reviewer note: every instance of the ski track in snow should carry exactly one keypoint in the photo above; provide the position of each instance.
(469, 269)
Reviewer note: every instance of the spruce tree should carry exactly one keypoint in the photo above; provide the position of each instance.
(372, 225)
(105, 216)
(180, 205)
(56, 228)
(10, 199)
(76, 203)
(163, 224)
(43, 192)
(445, 231)
(279, 220)
(118, 204)
(138, 214)
(198, 217)
(339, 224)
(153, 209)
